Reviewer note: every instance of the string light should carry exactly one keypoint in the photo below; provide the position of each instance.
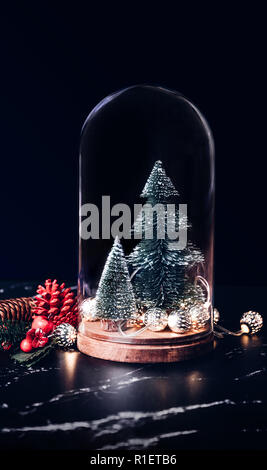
(88, 309)
(250, 323)
(216, 316)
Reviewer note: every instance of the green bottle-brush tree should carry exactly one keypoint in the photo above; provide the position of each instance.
(159, 270)
(115, 297)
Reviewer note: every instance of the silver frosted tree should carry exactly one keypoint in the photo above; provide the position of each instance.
(159, 270)
(115, 297)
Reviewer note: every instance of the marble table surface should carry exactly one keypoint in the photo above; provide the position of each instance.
(71, 401)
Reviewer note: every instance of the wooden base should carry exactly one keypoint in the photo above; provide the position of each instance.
(149, 347)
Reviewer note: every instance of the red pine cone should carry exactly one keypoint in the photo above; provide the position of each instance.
(57, 303)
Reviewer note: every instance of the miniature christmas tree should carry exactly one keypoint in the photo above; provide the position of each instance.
(159, 268)
(115, 298)
(159, 188)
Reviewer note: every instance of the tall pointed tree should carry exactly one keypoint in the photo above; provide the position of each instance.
(159, 188)
(115, 297)
(159, 277)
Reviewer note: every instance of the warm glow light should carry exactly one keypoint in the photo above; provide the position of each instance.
(216, 315)
(245, 340)
(70, 360)
(245, 329)
(194, 319)
(251, 322)
(195, 383)
(199, 316)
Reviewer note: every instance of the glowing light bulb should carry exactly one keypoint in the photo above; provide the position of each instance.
(88, 309)
(251, 322)
(216, 315)
(199, 316)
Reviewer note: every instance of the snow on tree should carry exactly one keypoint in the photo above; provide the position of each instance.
(159, 268)
(159, 188)
(115, 297)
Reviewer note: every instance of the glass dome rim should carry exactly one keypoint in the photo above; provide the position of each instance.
(111, 96)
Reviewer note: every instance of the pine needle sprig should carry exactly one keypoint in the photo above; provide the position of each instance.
(12, 333)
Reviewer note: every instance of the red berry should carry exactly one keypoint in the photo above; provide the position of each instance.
(40, 322)
(6, 345)
(48, 328)
(26, 345)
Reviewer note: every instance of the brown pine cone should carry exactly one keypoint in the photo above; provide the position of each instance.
(19, 309)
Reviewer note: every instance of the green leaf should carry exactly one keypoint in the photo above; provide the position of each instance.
(30, 359)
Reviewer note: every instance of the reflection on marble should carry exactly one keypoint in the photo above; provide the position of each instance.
(147, 442)
(251, 374)
(14, 375)
(71, 395)
(123, 422)
(121, 419)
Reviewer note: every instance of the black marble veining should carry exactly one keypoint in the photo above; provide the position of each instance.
(71, 401)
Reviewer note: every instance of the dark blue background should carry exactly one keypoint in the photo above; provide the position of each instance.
(58, 62)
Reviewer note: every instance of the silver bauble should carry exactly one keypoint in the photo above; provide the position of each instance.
(178, 321)
(199, 316)
(251, 322)
(216, 316)
(88, 309)
(156, 319)
(65, 335)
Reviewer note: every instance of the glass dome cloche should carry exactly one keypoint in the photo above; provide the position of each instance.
(145, 284)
